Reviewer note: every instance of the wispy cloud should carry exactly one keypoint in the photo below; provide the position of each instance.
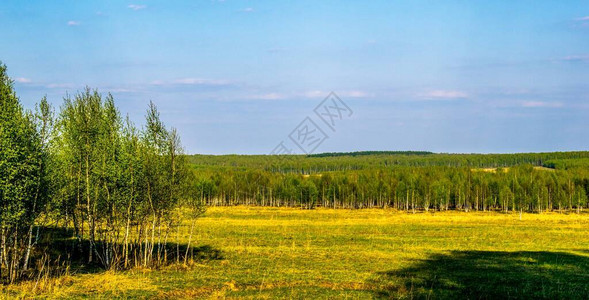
(60, 86)
(120, 90)
(158, 82)
(314, 94)
(342, 93)
(248, 10)
(534, 104)
(29, 84)
(582, 22)
(193, 81)
(355, 94)
(22, 80)
(444, 94)
(268, 96)
(200, 81)
(576, 58)
(73, 23)
(136, 6)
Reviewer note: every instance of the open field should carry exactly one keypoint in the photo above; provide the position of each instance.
(323, 253)
(494, 170)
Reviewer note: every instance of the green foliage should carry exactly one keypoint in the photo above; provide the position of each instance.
(567, 163)
(23, 180)
(317, 164)
(114, 177)
(434, 181)
(116, 186)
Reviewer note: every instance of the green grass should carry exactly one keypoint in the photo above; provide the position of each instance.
(292, 253)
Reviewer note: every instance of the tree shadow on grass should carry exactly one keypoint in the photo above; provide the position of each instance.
(489, 275)
(58, 249)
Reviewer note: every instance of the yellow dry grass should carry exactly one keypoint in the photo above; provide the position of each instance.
(294, 253)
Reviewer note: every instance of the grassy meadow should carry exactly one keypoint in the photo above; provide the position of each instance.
(262, 252)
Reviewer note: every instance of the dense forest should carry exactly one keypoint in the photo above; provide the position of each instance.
(522, 187)
(406, 180)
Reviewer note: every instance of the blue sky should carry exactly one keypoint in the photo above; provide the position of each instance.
(238, 76)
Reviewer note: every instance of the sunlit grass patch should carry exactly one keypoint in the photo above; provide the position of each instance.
(326, 253)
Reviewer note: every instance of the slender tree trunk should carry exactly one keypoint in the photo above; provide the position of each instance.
(3, 253)
(89, 211)
(29, 246)
(126, 245)
(189, 240)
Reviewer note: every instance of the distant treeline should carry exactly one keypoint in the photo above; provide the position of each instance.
(362, 153)
(302, 164)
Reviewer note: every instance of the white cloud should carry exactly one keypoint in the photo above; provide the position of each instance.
(248, 10)
(341, 94)
(513, 91)
(120, 90)
(355, 94)
(200, 81)
(269, 96)
(22, 80)
(586, 18)
(576, 58)
(136, 6)
(193, 81)
(73, 23)
(445, 94)
(59, 86)
(533, 104)
(315, 94)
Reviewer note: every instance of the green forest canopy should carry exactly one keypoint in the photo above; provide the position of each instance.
(408, 181)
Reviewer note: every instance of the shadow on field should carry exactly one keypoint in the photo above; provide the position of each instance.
(489, 275)
(58, 249)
